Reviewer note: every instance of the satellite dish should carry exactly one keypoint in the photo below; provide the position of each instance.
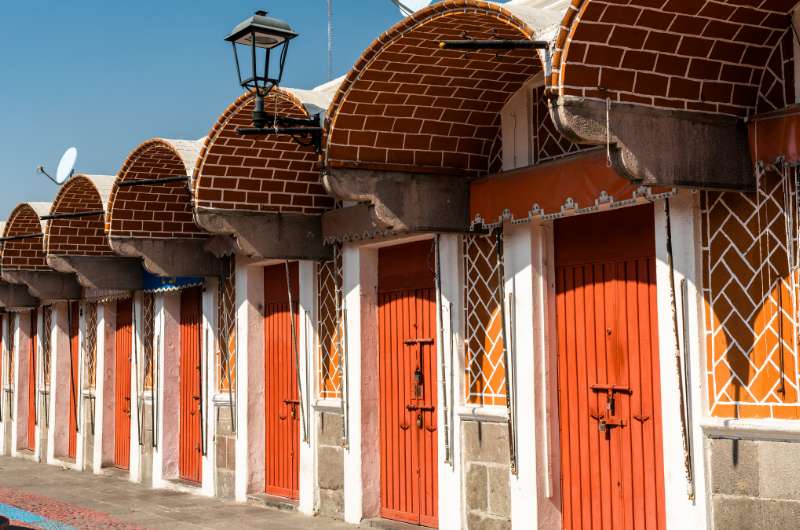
(66, 166)
(413, 5)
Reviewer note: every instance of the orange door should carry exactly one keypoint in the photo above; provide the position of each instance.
(282, 402)
(407, 366)
(74, 394)
(190, 444)
(609, 393)
(32, 340)
(123, 339)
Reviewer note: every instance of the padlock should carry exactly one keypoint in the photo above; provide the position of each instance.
(602, 426)
(419, 420)
(294, 412)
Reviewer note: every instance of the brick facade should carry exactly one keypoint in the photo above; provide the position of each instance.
(696, 55)
(80, 236)
(155, 211)
(749, 248)
(25, 254)
(407, 105)
(262, 174)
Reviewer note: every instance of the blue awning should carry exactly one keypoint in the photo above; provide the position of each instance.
(159, 284)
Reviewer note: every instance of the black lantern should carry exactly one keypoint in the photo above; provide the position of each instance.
(262, 35)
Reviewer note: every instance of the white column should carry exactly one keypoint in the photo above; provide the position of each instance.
(306, 337)
(249, 475)
(158, 388)
(99, 388)
(362, 457)
(81, 403)
(451, 510)
(544, 384)
(15, 339)
(518, 272)
(56, 411)
(135, 468)
(208, 361)
(38, 413)
(681, 513)
(3, 379)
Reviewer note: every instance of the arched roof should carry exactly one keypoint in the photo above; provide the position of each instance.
(80, 236)
(159, 211)
(270, 173)
(731, 57)
(408, 105)
(27, 253)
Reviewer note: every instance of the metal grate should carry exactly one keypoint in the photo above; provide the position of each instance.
(484, 341)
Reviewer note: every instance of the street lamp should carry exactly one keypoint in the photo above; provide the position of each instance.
(264, 35)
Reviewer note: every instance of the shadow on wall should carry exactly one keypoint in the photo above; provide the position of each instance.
(749, 248)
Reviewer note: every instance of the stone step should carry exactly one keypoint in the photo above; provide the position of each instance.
(270, 501)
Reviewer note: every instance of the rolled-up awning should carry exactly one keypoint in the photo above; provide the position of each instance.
(160, 284)
(776, 134)
(576, 185)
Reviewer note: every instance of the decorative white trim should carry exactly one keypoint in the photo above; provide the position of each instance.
(306, 336)
(484, 413)
(766, 429)
(328, 405)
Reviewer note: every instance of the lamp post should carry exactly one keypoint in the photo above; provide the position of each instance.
(267, 41)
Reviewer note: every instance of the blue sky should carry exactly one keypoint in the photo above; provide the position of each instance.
(106, 75)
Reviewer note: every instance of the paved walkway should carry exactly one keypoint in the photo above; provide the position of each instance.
(42, 496)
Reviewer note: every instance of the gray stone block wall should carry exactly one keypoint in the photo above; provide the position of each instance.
(147, 442)
(330, 464)
(486, 475)
(755, 484)
(44, 402)
(225, 442)
(88, 435)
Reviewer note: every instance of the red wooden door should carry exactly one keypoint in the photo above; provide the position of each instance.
(280, 369)
(123, 342)
(190, 454)
(609, 392)
(407, 373)
(74, 394)
(32, 340)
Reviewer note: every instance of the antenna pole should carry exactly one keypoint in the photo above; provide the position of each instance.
(330, 40)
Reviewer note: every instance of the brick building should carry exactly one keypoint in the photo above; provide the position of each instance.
(514, 288)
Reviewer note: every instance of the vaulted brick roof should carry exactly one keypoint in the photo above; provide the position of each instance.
(407, 105)
(80, 236)
(25, 254)
(262, 173)
(162, 211)
(721, 56)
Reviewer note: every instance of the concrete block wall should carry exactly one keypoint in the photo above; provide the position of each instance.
(755, 484)
(146, 446)
(88, 433)
(226, 452)
(486, 475)
(330, 464)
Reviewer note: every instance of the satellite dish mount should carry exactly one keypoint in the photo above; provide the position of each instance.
(66, 167)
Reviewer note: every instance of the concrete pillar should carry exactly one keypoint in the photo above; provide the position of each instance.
(19, 429)
(208, 363)
(306, 336)
(106, 370)
(449, 338)
(99, 389)
(249, 475)
(362, 457)
(681, 512)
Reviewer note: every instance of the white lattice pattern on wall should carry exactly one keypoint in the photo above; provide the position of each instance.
(749, 265)
(330, 326)
(226, 327)
(90, 344)
(484, 341)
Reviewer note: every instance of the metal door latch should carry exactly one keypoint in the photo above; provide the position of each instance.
(606, 424)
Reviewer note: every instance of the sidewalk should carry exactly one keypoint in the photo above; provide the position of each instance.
(43, 496)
